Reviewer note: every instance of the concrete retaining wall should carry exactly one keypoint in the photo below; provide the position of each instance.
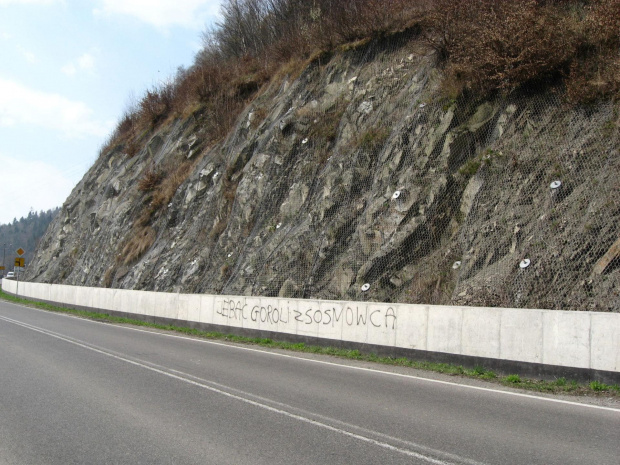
(544, 340)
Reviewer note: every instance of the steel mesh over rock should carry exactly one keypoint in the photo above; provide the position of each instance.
(300, 199)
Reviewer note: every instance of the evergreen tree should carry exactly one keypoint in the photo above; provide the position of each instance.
(24, 233)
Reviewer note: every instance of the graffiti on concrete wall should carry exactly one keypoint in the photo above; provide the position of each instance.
(349, 315)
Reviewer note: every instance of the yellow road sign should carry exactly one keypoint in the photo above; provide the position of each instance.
(1, 268)
(20, 251)
(19, 261)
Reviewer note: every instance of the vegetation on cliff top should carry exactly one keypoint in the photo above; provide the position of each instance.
(23, 233)
(483, 46)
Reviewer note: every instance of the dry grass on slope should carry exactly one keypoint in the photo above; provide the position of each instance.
(484, 46)
(490, 46)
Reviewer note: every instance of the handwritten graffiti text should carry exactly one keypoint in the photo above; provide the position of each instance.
(380, 317)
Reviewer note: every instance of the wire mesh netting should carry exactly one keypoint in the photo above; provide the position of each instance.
(357, 178)
(367, 184)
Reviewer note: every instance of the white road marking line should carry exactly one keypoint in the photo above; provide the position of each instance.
(377, 371)
(413, 445)
(372, 370)
(261, 405)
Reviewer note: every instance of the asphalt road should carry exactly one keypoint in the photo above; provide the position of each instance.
(74, 391)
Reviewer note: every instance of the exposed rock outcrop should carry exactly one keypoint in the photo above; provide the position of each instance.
(360, 173)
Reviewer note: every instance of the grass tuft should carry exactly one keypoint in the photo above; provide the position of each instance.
(602, 387)
(374, 138)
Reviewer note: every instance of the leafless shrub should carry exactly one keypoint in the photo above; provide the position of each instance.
(491, 45)
(342, 21)
(595, 73)
(127, 123)
(183, 90)
(125, 128)
(488, 46)
(484, 45)
(150, 180)
(132, 148)
(156, 104)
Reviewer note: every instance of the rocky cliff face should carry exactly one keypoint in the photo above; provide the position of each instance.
(358, 172)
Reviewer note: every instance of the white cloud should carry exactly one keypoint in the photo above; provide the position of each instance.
(86, 62)
(69, 69)
(29, 2)
(21, 105)
(35, 185)
(28, 55)
(30, 58)
(163, 13)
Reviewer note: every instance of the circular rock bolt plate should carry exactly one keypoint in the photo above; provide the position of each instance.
(555, 184)
(524, 263)
(365, 287)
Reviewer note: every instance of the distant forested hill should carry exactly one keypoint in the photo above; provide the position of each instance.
(24, 233)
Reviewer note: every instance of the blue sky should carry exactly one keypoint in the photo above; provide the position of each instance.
(68, 69)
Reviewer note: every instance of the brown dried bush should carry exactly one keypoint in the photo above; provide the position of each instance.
(595, 73)
(602, 24)
(108, 277)
(141, 241)
(132, 148)
(170, 184)
(341, 21)
(484, 45)
(150, 180)
(124, 130)
(156, 104)
(489, 45)
(127, 123)
(183, 91)
(594, 79)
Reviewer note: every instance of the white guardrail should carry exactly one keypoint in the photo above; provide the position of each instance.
(585, 340)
